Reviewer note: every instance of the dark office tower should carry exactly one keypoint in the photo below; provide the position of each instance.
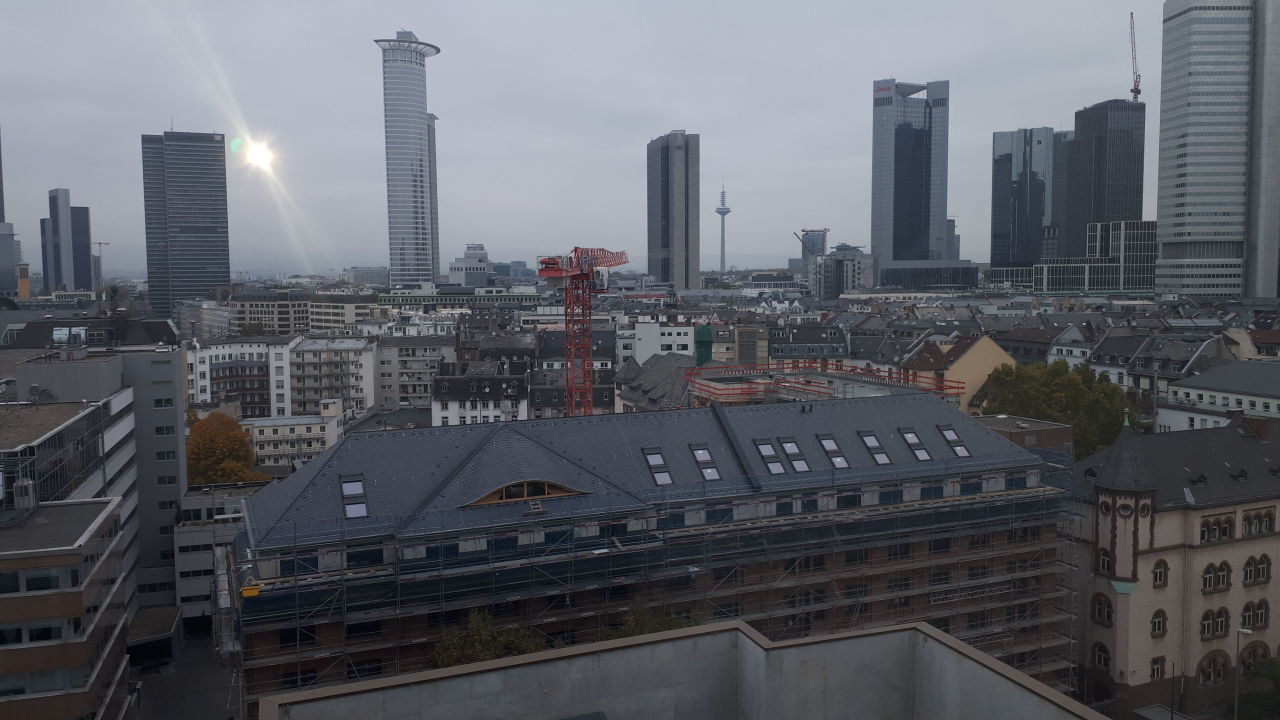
(1104, 181)
(413, 226)
(673, 210)
(909, 172)
(1026, 190)
(184, 195)
(65, 245)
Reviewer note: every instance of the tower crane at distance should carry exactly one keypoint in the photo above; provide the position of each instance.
(577, 272)
(1133, 52)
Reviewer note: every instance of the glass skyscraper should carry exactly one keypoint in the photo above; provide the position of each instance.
(65, 245)
(1219, 202)
(673, 183)
(184, 197)
(909, 172)
(1028, 190)
(413, 227)
(1104, 173)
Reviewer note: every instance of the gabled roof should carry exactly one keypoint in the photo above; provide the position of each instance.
(932, 356)
(424, 480)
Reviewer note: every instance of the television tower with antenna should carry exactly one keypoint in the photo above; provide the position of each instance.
(722, 211)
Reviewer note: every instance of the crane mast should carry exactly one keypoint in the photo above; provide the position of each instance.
(1133, 53)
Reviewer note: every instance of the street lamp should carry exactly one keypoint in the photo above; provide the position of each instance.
(1239, 632)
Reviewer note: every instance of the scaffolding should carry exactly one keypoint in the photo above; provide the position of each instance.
(990, 568)
(804, 381)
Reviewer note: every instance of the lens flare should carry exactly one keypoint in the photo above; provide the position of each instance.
(259, 155)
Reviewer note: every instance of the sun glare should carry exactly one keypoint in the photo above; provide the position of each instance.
(259, 155)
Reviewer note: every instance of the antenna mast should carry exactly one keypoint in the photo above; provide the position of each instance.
(1133, 52)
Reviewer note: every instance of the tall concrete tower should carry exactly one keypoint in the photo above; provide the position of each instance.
(413, 227)
(722, 211)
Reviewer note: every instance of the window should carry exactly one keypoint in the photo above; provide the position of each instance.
(881, 458)
(654, 458)
(1221, 622)
(701, 454)
(1101, 610)
(922, 454)
(766, 449)
(961, 451)
(1212, 669)
(301, 635)
(364, 668)
(829, 444)
(790, 447)
(352, 487)
(662, 478)
(167, 455)
(938, 546)
(976, 620)
(949, 433)
(870, 440)
(710, 473)
(800, 465)
(899, 551)
(297, 679)
(1160, 574)
(1104, 561)
(356, 510)
(941, 577)
(970, 487)
(163, 402)
(932, 491)
(1157, 668)
(855, 557)
(851, 500)
(978, 572)
(775, 468)
(1159, 623)
(890, 497)
(1101, 657)
(719, 514)
(910, 436)
(838, 461)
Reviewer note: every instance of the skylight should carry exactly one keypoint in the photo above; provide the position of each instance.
(870, 440)
(881, 458)
(790, 447)
(911, 437)
(800, 465)
(950, 435)
(710, 473)
(352, 487)
(654, 458)
(776, 468)
(922, 454)
(702, 455)
(962, 451)
(662, 478)
(766, 449)
(357, 510)
(829, 444)
(839, 461)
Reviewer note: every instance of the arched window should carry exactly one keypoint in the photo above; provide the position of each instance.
(1204, 531)
(1221, 622)
(1261, 611)
(1213, 668)
(525, 491)
(1104, 561)
(1246, 616)
(1263, 572)
(1102, 610)
(1228, 528)
(1101, 657)
(1222, 578)
(1249, 566)
(1206, 578)
(1215, 530)
(1160, 574)
(1268, 522)
(1206, 625)
(1159, 623)
(1252, 653)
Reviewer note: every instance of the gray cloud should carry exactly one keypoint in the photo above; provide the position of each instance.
(545, 109)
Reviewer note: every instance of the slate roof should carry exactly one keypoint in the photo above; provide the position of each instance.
(119, 331)
(1247, 377)
(661, 382)
(932, 356)
(421, 481)
(1170, 466)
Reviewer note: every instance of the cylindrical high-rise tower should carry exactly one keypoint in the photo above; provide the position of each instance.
(722, 211)
(413, 227)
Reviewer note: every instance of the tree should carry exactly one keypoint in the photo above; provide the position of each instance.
(640, 619)
(1079, 397)
(219, 451)
(479, 640)
(252, 329)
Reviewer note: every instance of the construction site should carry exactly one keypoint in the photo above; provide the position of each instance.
(989, 567)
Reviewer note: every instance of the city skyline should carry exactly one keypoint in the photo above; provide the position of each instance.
(514, 180)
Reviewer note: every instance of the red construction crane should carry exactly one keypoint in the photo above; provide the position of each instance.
(577, 270)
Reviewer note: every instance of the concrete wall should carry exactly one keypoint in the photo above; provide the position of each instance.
(708, 673)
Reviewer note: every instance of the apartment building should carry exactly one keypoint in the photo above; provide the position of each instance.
(1212, 398)
(253, 371)
(333, 368)
(276, 312)
(339, 314)
(1181, 527)
(67, 597)
(407, 366)
(283, 444)
(651, 338)
(480, 391)
(800, 519)
(208, 516)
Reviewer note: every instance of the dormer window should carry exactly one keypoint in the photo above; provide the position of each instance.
(525, 490)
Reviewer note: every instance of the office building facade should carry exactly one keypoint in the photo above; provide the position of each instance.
(65, 244)
(10, 256)
(184, 196)
(1219, 153)
(1104, 175)
(1028, 195)
(909, 172)
(673, 174)
(413, 227)
(1121, 259)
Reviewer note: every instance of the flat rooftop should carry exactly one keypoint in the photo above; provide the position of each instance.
(53, 525)
(726, 671)
(224, 491)
(24, 423)
(1013, 423)
(290, 420)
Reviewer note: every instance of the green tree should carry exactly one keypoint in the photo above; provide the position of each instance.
(219, 451)
(1079, 397)
(252, 329)
(480, 640)
(640, 619)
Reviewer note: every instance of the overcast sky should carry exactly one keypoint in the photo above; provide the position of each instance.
(544, 112)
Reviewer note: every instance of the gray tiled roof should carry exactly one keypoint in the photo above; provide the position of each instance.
(1247, 377)
(421, 481)
(1166, 464)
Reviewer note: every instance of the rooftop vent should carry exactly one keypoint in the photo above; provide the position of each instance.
(1199, 480)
